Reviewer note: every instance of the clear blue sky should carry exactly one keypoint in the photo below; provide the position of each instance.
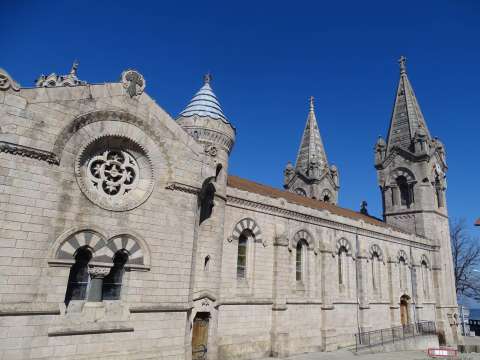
(267, 58)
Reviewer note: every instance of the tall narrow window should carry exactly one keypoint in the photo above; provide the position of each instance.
(112, 283)
(403, 273)
(242, 256)
(78, 279)
(425, 285)
(376, 276)
(406, 191)
(299, 262)
(342, 265)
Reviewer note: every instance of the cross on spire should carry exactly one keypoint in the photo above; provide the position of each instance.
(312, 105)
(403, 67)
(207, 78)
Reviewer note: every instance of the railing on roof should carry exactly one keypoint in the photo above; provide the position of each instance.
(391, 335)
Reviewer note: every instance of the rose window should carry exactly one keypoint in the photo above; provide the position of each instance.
(114, 173)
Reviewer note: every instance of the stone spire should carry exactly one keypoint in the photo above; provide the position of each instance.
(311, 154)
(205, 103)
(312, 177)
(407, 118)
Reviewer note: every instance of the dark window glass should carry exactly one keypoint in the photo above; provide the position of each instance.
(242, 257)
(406, 191)
(112, 283)
(78, 279)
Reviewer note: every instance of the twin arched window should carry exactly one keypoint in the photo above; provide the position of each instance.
(80, 281)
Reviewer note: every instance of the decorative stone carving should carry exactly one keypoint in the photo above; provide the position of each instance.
(133, 82)
(26, 151)
(98, 272)
(211, 150)
(6, 81)
(54, 80)
(114, 173)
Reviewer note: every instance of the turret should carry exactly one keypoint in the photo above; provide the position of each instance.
(312, 176)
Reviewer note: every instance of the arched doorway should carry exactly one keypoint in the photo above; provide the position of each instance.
(200, 336)
(404, 310)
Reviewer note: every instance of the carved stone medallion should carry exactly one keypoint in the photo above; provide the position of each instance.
(114, 173)
(133, 82)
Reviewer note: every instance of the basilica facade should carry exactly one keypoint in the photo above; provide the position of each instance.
(123, 235)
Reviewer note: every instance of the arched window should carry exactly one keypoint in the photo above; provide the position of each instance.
(300, 260)
(112, 283)
(342, 265)
(242, 254)
(425, 282)
(406, 191)
(78, 279)
(402, 272)
(376, 274)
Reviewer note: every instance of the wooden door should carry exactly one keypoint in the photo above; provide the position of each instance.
(200, 336)
(404, 312)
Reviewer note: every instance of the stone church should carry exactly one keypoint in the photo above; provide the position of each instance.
(123, 235)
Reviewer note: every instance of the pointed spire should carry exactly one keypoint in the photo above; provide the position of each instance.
(407, 117)
(205, 102)
(311, 154)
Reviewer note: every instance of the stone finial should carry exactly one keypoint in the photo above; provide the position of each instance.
(207, 78)
(403, 64)
(312, 103)
(6, 81)
(133, 82)
(73, 70)
(363, 208)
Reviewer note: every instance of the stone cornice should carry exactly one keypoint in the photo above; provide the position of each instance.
(26, 151)
(242, 203)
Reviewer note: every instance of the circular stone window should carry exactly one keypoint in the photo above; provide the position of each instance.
(115, 173)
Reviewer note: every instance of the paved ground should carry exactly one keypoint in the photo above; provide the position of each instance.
(347, 355)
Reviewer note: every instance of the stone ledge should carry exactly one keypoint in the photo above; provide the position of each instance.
(88, 329)
(159, 308)
(26, 309)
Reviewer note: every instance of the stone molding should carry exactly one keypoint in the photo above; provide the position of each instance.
(26, 151)
(242, 203)
(96, 328)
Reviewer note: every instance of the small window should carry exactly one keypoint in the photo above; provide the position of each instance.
(112, 284)
(300, 191)
(242, 256)
(78, 279)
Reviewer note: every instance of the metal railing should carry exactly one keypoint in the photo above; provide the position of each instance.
(391, 335)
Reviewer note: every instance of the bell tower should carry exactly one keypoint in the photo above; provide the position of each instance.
(312, 176)
(411, 169)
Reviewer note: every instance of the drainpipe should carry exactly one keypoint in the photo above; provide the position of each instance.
(357, 279)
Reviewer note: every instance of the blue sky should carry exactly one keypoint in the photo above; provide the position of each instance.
(267, 58)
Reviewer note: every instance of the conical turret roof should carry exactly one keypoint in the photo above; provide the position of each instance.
(311, 149)
(205, 103)
(407, 117)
